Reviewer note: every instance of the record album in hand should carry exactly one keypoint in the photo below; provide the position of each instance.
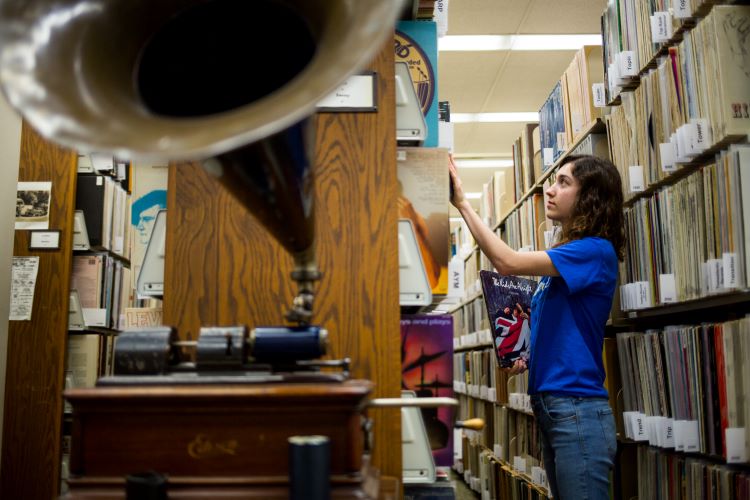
(508, 301)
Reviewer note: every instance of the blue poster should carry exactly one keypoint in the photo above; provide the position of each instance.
(416, 44)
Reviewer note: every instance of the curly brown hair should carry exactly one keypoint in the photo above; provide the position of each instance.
(598, 210)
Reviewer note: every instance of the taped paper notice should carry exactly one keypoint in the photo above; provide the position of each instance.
(23, 284)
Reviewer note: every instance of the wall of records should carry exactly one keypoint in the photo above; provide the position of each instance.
(666, 98)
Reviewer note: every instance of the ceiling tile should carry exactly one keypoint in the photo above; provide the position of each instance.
(465, 78)
(526, 80)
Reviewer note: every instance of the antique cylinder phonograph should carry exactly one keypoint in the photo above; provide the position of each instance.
(230, 83)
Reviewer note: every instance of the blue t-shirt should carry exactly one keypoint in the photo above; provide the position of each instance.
(568, 316)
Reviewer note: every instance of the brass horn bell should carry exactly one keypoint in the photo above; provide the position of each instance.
(228, 82)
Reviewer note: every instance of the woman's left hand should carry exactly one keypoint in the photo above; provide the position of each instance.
(518, 367)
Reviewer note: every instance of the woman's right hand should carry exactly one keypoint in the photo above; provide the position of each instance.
(458, 196)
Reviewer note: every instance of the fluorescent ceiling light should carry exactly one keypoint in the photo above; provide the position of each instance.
(484, 163)
(516, 42)
(456, 219)
(495, 117)
(473, 196)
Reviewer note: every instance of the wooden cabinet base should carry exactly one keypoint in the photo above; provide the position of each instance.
(214, 441)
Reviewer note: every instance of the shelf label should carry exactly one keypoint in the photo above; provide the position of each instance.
(652, 429)
(667, 433)
(636, 179)
(639, 427)
(701, 135)
(627, 63)
(679, 435)
(729, 263)
(715, 275)
(497, 450)
(667, 157)
(644, 294)
(735, 438)
(667, 289)
(483, 392)
(519, 464)
(597, 90)
(492, 394)
(682, 9)
(548, 155)
(690, 436)
(661, 27)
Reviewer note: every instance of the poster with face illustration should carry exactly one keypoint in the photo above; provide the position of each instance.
(149, 196)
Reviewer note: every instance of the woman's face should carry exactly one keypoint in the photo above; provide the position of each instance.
(562, 194)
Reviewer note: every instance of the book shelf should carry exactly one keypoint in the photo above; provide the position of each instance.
(720, 308)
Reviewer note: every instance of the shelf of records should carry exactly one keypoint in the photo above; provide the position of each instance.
(101, 290)
(686, 388)
(525, 215)
(477, 375)
(664, 474)
(690, 240)
(692, 104)
(88, 357)
(101, 217)
(637, 32)
(505, 456)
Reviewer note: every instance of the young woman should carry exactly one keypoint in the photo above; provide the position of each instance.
(569, 312)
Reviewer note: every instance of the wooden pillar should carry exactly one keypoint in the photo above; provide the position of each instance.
(36, 348)
(223, 268)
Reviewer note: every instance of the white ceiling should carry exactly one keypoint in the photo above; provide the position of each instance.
(505, 81)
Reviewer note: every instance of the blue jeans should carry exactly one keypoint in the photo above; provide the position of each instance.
(578, 445)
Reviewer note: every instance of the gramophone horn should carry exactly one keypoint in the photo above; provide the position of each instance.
(229, 82)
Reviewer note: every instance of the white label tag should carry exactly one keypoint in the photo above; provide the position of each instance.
(666, 155)
(639, 427)
(702, 134)
(736, 451)
(729, 263)
(597, 90)
(679, 435)
(497, 450)
(492, 394)
(667, 289)
(455, 383)
(519, 464)
(94, 317)
(457, 448)
(682, 9)
(685, 143)
(456, 270)
(547, 154)
(715, 275)
(627, 420)
(667, 439)
(483, 392)
(548, 238)
(690, 436)
(643, 291)
(536, 475)
(661, 27)
(627, 63)
(636, 178)
(651, 429)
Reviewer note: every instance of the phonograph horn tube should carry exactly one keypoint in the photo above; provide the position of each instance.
(226, 82)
